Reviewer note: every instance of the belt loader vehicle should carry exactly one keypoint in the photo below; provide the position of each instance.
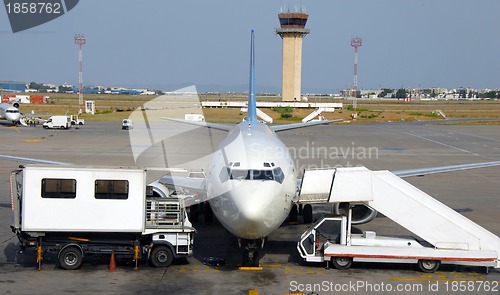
(78, 211)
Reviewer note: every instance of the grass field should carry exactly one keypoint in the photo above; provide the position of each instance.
(114, 108)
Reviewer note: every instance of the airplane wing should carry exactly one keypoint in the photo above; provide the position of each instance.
(443, 169)
(191, 184)
(217, 126)
(278, 128)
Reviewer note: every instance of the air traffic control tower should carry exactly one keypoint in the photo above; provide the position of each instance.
(292, 31)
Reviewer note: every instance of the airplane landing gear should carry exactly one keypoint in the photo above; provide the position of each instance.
(251, 251)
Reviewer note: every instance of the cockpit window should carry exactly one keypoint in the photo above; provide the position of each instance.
(240, 174)
(262, 174)
(224, 174)
(13, 111)
(279, 176)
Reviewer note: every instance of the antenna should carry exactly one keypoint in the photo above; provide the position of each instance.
(355, 42)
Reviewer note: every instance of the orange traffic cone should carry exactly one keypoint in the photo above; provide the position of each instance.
(112, 262)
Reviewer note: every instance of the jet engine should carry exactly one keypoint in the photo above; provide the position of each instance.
(361, 213)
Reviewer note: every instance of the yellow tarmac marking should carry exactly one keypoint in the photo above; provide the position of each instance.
(38, 139)
(250, 268)
(33, 140)
(271, 265)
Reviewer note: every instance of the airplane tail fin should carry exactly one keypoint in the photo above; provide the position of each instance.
(252, 100)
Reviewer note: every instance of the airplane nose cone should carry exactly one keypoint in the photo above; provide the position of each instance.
(257, 209)
(13, 117)
(252, 212)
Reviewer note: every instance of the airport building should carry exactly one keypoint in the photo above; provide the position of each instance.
(13, 86)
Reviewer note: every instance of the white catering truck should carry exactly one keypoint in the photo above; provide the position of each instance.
(58, 122)
(78, 211)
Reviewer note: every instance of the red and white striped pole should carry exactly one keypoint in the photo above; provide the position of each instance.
(80, 40)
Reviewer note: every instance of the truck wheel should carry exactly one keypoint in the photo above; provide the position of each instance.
(342, 262)
(428, 266)
(70, 258)
(161, 256)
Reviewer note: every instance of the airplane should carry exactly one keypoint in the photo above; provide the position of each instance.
(251, 182)
(9, 113)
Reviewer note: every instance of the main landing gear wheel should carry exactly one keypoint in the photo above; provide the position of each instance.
(294, 214)
(342, 262)
(307, 213)
(428, 266)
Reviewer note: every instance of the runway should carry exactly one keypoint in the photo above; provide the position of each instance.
(387, 146)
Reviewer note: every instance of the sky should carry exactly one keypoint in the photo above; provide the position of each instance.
(170, 44)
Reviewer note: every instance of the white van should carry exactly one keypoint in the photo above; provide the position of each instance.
(60, 122)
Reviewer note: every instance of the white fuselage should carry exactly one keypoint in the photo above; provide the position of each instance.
(251, 181)
(9, 113)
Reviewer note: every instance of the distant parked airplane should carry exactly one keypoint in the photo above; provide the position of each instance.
(9, 113)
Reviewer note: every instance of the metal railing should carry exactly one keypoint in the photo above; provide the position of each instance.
(162, 212)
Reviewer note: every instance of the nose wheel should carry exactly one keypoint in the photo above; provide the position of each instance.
(251, 252)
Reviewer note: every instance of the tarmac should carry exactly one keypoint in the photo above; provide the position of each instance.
(388, 146)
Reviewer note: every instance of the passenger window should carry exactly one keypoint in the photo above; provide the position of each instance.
(111, 189)
(58, 188)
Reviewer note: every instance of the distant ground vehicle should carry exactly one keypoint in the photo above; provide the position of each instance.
(127, 124)
(194, 117)
(54, 206)
(75, 120)
(58, 122)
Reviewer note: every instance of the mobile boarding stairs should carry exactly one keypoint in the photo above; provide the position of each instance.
(448, 236)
